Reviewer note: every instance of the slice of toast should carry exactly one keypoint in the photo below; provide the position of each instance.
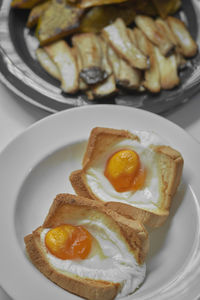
(167, 161)
(76, 210)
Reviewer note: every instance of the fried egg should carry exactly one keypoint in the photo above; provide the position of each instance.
(127, 171)
(104, 255)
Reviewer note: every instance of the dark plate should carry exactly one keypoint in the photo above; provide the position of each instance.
(20, 71)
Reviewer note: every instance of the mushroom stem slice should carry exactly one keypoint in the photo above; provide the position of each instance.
(154, 34)
(188, 46)
(117, 36)
(90, 50)
(65, 60)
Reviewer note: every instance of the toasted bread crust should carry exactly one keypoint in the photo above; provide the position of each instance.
(86, 288)
(95, 147)
(170, 166)
(64, 209)
(152, 219)
(134, 232)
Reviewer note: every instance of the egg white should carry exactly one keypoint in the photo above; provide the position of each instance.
(149, 196)
(117, 264)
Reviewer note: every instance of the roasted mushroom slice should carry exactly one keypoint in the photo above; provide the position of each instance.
(64, 58)
(58, 21)
(180, 60)
(89, 48)
(82, 85)
(114, 61)
(36, 12)
(166, 7)
(152, 75)
(154, 34)
(96, 18)
(132, 37)
(117, 36)
(26, 4)
(105, 62)
(168, 70)
(108, 86)
(147, 9)
(104, 89)
(90, 3)
(187, 45)
(125, 75)
(129, 77)
(47, 63)
(164, 27)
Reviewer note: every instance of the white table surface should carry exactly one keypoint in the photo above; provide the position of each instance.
(16, 115)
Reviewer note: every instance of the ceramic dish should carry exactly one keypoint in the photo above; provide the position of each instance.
(36, 166)
(21, 72)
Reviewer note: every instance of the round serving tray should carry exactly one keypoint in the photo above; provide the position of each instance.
(21, 72)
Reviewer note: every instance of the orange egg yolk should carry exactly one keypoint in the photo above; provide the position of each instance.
(69, 242)
(124, 171)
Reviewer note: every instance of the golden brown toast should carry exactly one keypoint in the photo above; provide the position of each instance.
(169, 163)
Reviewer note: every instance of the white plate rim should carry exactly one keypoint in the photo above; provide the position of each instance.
(53, 126)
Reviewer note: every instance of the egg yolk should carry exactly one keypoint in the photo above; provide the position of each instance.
(124, 171)
(69, 242)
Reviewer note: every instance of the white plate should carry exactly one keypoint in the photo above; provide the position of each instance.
(35, 167)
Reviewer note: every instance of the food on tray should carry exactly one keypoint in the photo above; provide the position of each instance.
(47, 63)
(89, 48)
(165, 8)
(64, 58)
(187, 46)
(36, 13)
(156, 36)
(25, 3)
(125, 76)
(58, 21)
(107, 86)
(152, 75)
(112, 45)
(90, 3)
(98, 17)
(168, 70)
(133, 174)
(117, 36)
(88, 249)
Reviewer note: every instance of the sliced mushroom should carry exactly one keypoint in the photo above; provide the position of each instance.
(129, 77)
(124, 74)
(165, 8)
(25, 4)
(82, 85)
(89, 48)
(58, 21)
(91, 3)
(168, 70)
(36, 12)
(114, 61)
(64, 58)
(105, 62)
(154, 34)
(47, 63)
(117, 36)
(164, 27)
(181, 62)
(108, 86)
(188, 46)
(152, 75)
(132, 37)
